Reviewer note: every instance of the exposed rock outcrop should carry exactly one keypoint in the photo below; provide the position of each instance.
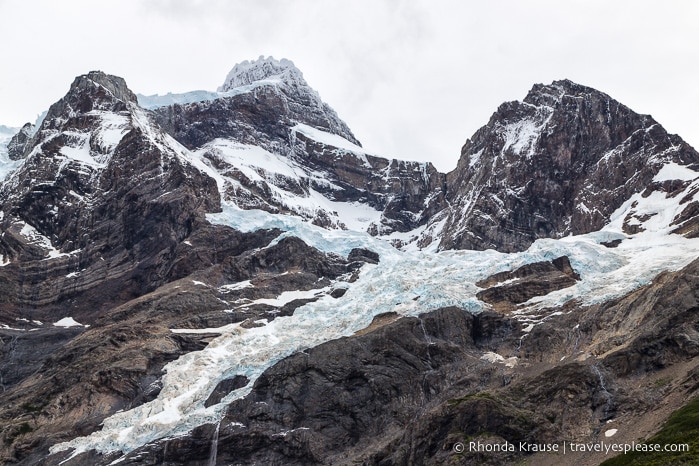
(269, 105)
(503, 291)
(18, 144)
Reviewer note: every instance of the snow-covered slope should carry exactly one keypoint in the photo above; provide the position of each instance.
(408, 282)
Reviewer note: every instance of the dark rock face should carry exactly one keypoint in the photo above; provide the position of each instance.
(560, 162)
(18, 143)
(363, 255)
(22, 353)
(224, 387)
(524, 283)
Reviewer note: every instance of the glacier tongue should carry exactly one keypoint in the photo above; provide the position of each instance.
(408, 283)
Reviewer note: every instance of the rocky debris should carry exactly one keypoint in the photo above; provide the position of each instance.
(505, 290)
(560, 162)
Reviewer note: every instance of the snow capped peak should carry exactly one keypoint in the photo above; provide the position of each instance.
(263, 69)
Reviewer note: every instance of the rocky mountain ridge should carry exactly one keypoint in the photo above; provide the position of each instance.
(560, 162)
(234, 280)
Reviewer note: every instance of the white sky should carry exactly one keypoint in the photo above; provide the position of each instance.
(412, 79)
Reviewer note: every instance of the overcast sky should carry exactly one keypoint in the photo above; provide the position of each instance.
(412, 79)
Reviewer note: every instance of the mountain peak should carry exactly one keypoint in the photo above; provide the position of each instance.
(550, 94)
(269, 68)
(114, 84)
(95, 90)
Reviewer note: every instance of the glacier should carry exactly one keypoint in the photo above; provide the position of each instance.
(406, 282)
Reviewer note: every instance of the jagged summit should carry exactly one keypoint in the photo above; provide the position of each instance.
(550, 94)
(303, 102)
(95, 91)
(249, 72)
(114, 84)
(266, 93)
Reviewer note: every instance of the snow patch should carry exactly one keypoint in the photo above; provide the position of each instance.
(68, 322)
(474, 158)
(674, 171)
(78, 148)
(35, 238)
(235, 286)
(112, 130)
(275, 170)
(289, 296)
(333, 140)
(521, 135)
